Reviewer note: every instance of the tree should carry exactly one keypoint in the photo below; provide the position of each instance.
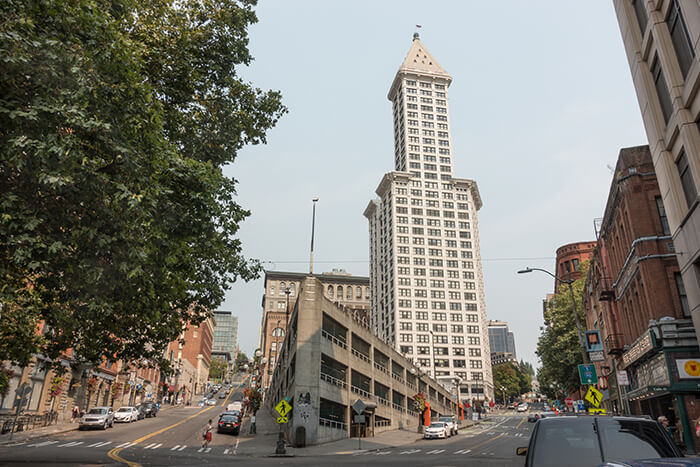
(505, 376)
(241, 361)
(217, 369)
(558, 346)
(117, 225)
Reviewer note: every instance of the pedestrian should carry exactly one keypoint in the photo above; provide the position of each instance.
(75, 413)
(206, 435)
(665, 423)
(252, 424)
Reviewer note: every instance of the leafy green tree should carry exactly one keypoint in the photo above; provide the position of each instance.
(505, 376)
(558, 346)
(527, 367)
(117, 225)
(241, 360)
(217, 369)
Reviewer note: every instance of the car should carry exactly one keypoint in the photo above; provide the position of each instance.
(229, 424)
(211, 402)
(523, 407)
(436, 430)
(141, 412)
(222, 395)
(236, 413)
(202, 403)
(533, 417)
(584, 440)
(126, 414)
(97, 417)
(150, 409)
(235, 405)
(548, 413)
(451, 421)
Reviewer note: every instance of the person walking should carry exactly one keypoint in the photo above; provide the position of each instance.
(75, 413)
(252, 424)
(206, 435)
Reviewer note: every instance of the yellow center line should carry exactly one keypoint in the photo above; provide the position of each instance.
(486, 442)
(521, 422)
(114, 454)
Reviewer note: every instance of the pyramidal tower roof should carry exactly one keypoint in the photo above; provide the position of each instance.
(420, 61)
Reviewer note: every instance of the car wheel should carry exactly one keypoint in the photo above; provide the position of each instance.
(104, 427)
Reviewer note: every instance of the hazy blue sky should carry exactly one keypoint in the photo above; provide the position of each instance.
(540, 104)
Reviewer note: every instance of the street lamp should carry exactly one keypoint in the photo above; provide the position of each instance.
(503, 388)
(313, 226)
(568, 282)
(287, 291)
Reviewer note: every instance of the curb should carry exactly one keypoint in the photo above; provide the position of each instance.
(28, 437)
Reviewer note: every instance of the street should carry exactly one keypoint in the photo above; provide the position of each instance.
(174, 438)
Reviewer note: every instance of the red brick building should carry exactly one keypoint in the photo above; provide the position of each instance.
(634, 297)
(569, 259)
(191, 360)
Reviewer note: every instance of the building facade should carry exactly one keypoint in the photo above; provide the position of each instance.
(501, 339)
(190, 356)
(280, 296)
(329, 359)
(425, 263)
(569, 259)
(225, 343)
(661, 38)
(634, 296)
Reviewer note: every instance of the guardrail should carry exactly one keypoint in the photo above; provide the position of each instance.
(332, 424)
(382, 423)
(360, 391)
(361, 356)
(334, 381)
(333, 339)
(381, 368)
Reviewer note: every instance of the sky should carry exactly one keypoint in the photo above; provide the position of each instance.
(540, 105)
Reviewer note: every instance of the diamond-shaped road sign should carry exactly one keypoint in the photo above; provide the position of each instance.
(283, 408)
(359, 406)
(594, 396)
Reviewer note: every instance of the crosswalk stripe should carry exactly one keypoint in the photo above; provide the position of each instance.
(410, 451)
(45, 443)
(150, 446)
(435, 451)
(463, 451)
(123, 445)
(93, 445)
(103, 444)
(157, 446)
(182, 448)
(383, 453)
(174, 447)
(70, 445)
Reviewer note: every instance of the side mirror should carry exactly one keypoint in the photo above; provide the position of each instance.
(521, 451)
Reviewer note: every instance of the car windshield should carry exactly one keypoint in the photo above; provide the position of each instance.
(229, 419)
(95, 411)
(124, 409)
(633, 439)
(571, 442)
(436, 425)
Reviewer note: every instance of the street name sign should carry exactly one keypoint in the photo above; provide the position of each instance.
(594, 396)
(283, 408)
(587, 374)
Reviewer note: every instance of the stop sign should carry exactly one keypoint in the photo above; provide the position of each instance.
(569, 401)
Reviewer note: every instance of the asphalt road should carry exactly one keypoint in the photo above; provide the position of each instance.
(173, 438)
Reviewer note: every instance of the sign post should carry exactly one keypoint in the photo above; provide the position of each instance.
(359, 407)
(283, 408)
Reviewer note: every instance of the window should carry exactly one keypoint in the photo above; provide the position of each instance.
(407, 349)
(278, 332)
(641, 13)
(686, 178)
(680, 37)
(662, 216)
(661, 89)
(680, 287)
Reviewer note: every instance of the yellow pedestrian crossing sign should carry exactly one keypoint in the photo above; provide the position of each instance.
(594, 396)
(283, 408)
(282, 419)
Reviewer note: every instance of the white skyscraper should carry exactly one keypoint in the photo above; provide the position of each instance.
(425, 263)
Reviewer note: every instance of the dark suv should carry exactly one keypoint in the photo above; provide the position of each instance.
(150, 409)
(593, 440)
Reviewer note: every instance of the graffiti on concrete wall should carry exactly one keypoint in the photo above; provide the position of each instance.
(303, 407)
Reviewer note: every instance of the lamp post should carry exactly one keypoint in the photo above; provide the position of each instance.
(287, 291)
(503, 388)
(568, 282)
(313, 227)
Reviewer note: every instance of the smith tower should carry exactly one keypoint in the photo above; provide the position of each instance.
(425, 263)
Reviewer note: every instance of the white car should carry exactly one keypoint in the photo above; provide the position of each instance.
(451, 421)
(126, 414)
(211, 401)
(436, 430)
(522, 408)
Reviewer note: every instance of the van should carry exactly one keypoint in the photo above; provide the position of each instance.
(236, 405)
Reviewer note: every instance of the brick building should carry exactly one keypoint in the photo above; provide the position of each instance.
(191, 359)
(569, 259)
(634, 296)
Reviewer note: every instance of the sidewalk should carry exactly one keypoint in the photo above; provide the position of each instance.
(23, 436)
(264, 442)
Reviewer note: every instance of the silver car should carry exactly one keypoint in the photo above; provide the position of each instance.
(126, 414)
(97, 417)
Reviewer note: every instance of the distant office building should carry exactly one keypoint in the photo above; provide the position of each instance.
(427, 283)
(499, 358)
(501, 340)
(225, 336)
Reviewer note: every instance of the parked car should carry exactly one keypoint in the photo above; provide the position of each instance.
(235, 405)
(229, 424)
(141, 413)
(451, 421)
(150, 409)
(97, 417)
(436, 430)
(126, 414)
(202, 403)
(235, 413)
(592, 440)
(222, 395)
(523, 407)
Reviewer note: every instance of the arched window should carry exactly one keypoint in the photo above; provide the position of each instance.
(340, 292)
(272, 290)
(292, 289)
(331, 291)
(367, 293)
(278, 332)
(358, 293)
(282, 287)
(349, 295)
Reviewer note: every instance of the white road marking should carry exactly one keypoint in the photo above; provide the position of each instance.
(463, 451)
(150, 446)
(383, 453)
(174, 447)
(101, 445)
(157, 446)
(45, 443)
(235, 449)
(410, 451)
(94, 445)
(435, 451)
(123, 445)
(183, 447)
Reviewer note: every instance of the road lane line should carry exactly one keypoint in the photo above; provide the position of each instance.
(235, 449)
(114, 454)
(463, 451)
(521, 422)
(174, 447)
(157, 446)
(182, 448)
(435, 451)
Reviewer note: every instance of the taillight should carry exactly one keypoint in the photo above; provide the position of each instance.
(221, 423)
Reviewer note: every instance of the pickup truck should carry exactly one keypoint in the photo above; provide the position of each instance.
(451, 421)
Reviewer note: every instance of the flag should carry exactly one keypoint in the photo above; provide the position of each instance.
(418, 26)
